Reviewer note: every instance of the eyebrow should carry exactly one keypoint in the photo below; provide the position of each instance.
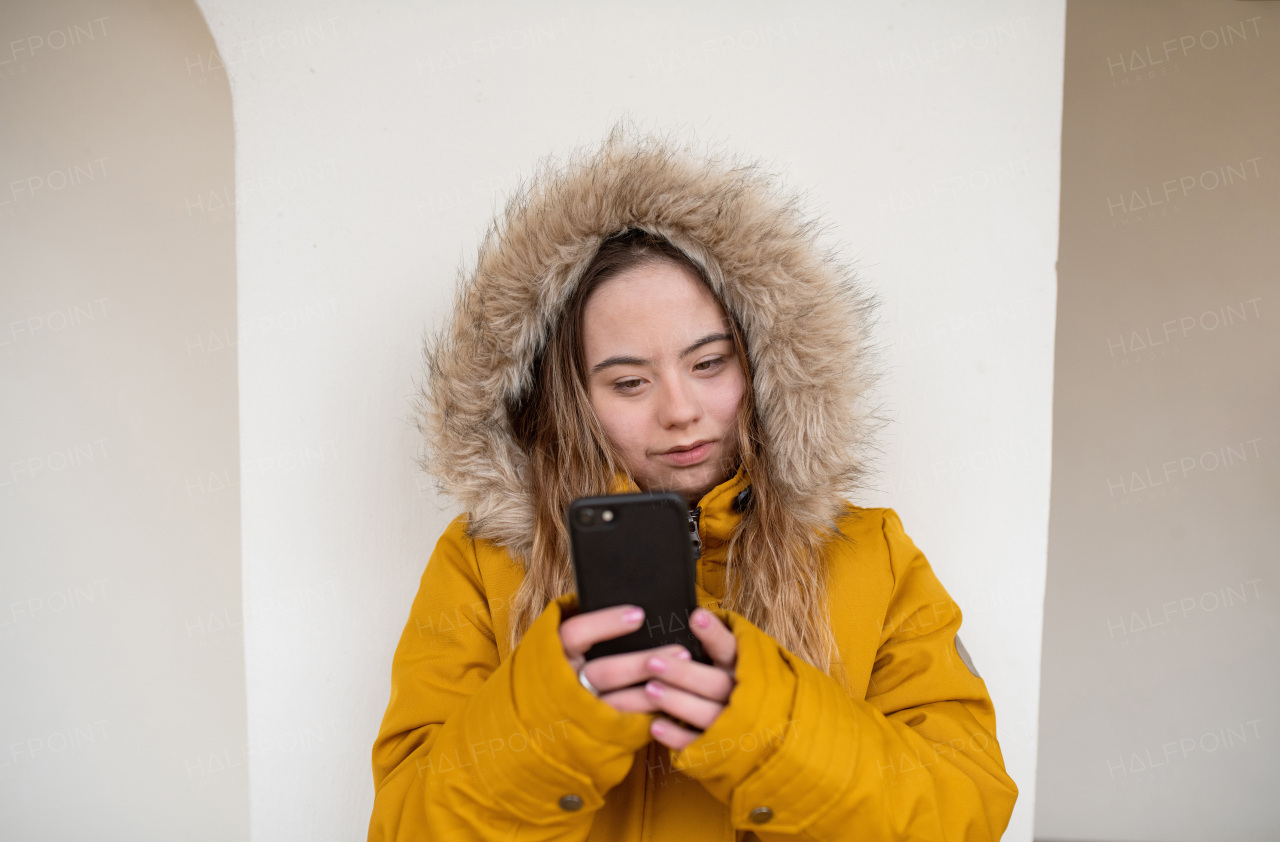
(623, 360)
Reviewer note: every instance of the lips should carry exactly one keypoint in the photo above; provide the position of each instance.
(686, 448)
(688, 455)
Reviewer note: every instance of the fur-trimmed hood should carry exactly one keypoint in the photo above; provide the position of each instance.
(801, 308)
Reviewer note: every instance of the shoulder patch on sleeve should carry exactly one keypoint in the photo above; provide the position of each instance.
(964, 656)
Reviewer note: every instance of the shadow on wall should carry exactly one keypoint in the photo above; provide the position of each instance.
(1160, 668)
(120, 622)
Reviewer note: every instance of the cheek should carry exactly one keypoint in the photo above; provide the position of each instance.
(622, 422)
(725, 400)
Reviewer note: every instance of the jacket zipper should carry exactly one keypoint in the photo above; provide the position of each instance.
(694, 514)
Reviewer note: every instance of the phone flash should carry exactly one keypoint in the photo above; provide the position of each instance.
(607, 515)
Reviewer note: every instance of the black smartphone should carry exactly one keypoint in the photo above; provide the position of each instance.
(636, 549)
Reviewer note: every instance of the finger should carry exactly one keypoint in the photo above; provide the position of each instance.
(611, 672)
(631, 700)
(582, 631)
(692, 708)
(717, 640)
(670, 734)
(706, 681)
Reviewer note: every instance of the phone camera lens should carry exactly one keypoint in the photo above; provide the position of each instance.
(585, 516)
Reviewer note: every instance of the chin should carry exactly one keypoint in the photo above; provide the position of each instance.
(690, 482)
(695, 483)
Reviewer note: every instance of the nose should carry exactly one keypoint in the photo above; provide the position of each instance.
(678, 405)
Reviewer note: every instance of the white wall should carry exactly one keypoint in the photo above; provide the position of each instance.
(927, 133)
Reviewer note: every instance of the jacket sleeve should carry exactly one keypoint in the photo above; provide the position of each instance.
(470, 748)
(916, 759)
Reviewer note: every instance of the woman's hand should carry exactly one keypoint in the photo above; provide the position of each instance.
(688, 690)
(675, 684)
(618, 678)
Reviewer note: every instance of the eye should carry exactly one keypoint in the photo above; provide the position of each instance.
(711, 365)
(626, 387)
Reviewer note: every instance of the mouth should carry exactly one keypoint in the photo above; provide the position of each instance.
(685, 448)
(689, 454)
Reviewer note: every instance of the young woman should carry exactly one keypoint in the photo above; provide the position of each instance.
(649, 318)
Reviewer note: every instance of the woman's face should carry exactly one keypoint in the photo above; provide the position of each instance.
(662, 376)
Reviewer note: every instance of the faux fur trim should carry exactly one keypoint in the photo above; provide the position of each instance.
(804, 314)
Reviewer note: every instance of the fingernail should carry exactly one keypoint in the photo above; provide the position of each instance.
(633, 615)
(684, 654)
(653, 689)
(701, 618)
(657, 665)
(658, 729)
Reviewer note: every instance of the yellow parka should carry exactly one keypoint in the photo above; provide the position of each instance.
(481, 741)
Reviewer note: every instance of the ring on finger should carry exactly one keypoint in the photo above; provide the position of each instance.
(586, 682)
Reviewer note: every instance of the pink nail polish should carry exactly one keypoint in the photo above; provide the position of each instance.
(683, 654)
(633, 615)
(653, 689)
(701, 618)
(657, 665)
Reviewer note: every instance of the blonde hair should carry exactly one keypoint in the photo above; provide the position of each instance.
(776, 574)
